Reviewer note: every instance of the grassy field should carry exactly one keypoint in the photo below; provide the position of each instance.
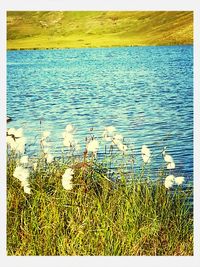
(77, 206)
(46, 30)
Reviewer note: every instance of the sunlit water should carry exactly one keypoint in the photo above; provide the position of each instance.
(145, 92)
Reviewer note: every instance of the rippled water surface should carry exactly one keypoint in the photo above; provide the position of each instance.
(145, 92)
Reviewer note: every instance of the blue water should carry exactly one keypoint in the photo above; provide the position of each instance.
(145, 92)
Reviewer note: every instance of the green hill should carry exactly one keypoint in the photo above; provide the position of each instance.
(56, 29)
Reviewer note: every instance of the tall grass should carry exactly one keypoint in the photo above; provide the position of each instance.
(102, 215)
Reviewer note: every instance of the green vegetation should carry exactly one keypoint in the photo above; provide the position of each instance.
(102, 214)
(46, 30)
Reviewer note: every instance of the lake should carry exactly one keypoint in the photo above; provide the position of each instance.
(145, 92)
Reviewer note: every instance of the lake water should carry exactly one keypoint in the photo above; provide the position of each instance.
(145, 92)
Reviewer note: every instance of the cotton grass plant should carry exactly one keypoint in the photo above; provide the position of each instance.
(75, 205)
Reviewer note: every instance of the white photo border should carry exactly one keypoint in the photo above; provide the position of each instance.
(121, 5)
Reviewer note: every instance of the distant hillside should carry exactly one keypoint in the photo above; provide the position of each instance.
(38, 30)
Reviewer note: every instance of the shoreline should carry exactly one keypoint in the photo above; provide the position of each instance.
(95, 47)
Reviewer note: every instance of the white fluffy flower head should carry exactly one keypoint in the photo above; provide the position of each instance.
(68, 173)
(145, 150)
(18, 133)
(67, 185)
(168, 158)
(146, 158)
(93, 146)
(146, 154)
(10, 141)
(68, 139)
(108, 133)
(49, 158)
(122, 147)
(21, 173)
(20, 144)
(66, 179)
(12, 131)
(179, 180)
(24, 160)
(117, 138)
(171, 165)
(27, 189)
(69, 128)
(17, 144)
(169, 181)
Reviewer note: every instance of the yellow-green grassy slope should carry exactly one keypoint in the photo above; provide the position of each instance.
(40, 30)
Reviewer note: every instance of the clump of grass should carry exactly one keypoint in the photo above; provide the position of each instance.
(78, 206)
(102, 215)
